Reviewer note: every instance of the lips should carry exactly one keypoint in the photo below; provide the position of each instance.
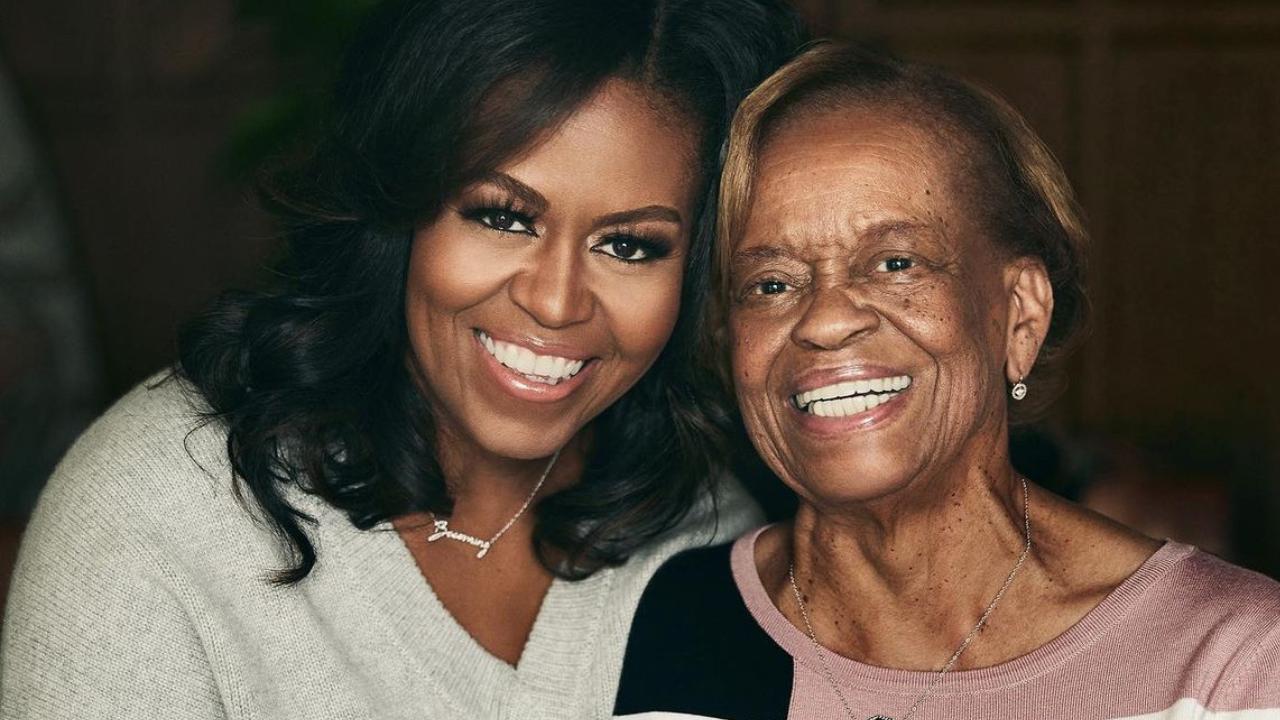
(849, 397)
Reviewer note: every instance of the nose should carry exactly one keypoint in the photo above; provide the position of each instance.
(833, 319)
(552, 287)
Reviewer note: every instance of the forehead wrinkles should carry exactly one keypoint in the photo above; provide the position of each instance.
(828, 208)
(817, 192)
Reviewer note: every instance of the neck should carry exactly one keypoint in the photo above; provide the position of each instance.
(899, 581)
(488, 489)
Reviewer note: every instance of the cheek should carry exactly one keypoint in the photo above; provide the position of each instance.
(742, 352)
(936, 317)
(951, 324)
(450, 271)
(754, 351)
(642, 310)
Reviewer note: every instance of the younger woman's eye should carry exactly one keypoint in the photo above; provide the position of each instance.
(508, 221)
(628, 248)
(895, 264)
(502, 220)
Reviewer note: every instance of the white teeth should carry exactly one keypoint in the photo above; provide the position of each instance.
(549, 369)
(525, 360)
(544, 365)
(507, 354)
(841, 407)
(850, 397)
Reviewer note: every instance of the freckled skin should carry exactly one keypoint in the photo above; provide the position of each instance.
(820, 187)
(906, 526)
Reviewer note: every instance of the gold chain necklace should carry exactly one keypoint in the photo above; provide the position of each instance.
(822, 657)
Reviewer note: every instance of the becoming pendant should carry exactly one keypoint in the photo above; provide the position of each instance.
(442, 532)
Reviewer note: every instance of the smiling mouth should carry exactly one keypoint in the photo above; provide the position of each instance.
(851, 397)
(545, 369)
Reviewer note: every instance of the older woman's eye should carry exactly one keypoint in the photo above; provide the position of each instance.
(895, 264)
(769, 287)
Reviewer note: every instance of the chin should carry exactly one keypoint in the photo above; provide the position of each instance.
(519, 439)
(847, 478)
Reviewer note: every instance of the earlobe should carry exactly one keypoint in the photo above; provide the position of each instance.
(1030, 312)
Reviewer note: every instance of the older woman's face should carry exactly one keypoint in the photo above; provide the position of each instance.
(869, 310)
(545, 291)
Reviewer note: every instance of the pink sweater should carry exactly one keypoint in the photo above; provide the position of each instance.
(1186, 636)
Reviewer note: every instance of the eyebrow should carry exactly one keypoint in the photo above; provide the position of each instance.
(884, 228)
(648, 213)
(538, 204)
(765, 252)
(536, 201)
(875, 231)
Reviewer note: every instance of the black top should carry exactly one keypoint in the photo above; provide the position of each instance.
(695, 649)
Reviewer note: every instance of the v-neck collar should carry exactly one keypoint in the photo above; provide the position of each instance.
(379, 565)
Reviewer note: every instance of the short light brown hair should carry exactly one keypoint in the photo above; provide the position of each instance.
(1014, 183)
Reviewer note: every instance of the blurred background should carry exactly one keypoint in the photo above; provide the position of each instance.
(130, 130)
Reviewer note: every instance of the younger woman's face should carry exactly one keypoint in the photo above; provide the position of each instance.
(542, 293)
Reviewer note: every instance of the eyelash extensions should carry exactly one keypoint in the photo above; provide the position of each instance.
(485, 210)
(653, 247)
(503, 214)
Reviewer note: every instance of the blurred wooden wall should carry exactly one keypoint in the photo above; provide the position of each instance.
(134, 100)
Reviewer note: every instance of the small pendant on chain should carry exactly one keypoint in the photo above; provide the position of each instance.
(442, 532)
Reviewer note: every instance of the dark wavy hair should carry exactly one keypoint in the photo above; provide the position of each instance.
(312, 378)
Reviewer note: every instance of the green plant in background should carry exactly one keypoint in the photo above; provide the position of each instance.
(308, 38)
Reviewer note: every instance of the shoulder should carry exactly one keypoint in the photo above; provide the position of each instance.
(1186, 597)
(1217, 593)
(1235, 608)
(154, 447)
(123, 564)
(1224, 621)
(151, 474)
(1240, 613)
(722, 514)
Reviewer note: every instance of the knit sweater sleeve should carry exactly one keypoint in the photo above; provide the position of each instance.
(1251, 680)
(97, 624)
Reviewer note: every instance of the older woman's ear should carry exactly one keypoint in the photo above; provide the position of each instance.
(1030, 312)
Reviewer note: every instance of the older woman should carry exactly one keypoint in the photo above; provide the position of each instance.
(903, 266)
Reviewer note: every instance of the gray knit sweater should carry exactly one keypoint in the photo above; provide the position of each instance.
(139, 593)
